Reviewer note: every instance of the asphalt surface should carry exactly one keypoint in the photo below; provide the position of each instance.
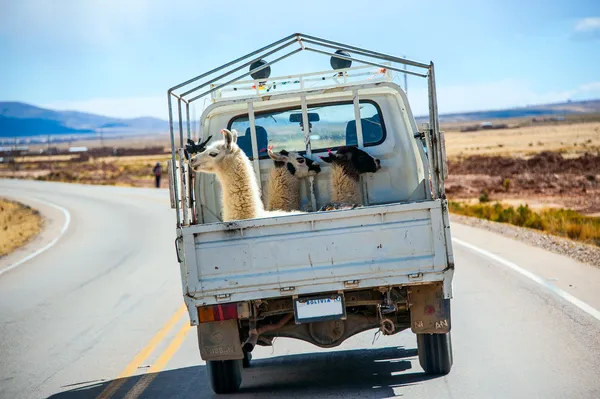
(105, 302)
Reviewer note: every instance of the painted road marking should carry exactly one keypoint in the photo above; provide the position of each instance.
(563, 294)
(160, 363)
(67, 216)
(132, 367)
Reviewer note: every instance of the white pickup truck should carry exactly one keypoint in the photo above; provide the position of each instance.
(319, 276)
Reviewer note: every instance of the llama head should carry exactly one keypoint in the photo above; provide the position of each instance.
(298, 165)
(217, 154)
(353, 157)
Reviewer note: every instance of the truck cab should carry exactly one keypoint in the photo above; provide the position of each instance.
(317, 276)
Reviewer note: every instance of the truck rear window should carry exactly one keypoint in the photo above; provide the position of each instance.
(331, 126)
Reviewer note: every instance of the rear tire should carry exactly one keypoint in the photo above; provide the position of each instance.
(225, 375)
(435, 353)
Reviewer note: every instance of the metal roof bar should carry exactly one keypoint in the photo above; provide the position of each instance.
(232, 62)
(343, 57)
(245, 74)
(238, 68)
(360, 52)
(373, 53)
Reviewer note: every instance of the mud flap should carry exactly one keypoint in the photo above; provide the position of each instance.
(429, 311)
(220, 340)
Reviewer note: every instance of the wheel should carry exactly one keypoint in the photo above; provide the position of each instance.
(247, 359)
(435, 353)
(225, 375)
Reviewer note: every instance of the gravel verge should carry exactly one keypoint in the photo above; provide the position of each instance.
(580, 252)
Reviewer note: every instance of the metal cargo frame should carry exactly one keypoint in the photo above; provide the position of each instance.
(210, 82)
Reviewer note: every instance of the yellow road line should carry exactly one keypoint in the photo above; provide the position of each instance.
(142, 355)
(160, 363)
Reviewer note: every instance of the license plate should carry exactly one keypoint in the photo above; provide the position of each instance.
(330, 307)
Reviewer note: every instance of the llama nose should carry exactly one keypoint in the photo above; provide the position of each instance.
(378, 163)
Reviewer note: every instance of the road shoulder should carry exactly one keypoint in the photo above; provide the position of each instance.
(578, 251)
(579, 279)
(54, 223)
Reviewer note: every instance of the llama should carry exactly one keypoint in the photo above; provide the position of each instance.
(346, 167)
(283, 186)
(241, 196)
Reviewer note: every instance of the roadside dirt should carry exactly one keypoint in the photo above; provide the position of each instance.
(545, 179)
(18, 225)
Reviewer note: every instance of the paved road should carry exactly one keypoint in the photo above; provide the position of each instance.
(105, 302)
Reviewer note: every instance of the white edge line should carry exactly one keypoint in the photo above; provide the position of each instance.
(563, 294)
(67, 216)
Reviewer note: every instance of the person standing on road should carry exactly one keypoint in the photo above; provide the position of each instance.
(157, 172)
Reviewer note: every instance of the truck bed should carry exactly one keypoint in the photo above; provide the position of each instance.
(315, 252)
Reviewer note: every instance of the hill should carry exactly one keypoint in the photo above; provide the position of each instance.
(25, 120)
(567, 108)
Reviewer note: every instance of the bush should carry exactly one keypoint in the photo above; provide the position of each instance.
(560, 222)
(484, 196)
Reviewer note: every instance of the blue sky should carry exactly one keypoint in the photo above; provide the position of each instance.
(118, 57)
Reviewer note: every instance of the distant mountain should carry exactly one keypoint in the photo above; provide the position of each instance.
(24, 120)
(571, 107)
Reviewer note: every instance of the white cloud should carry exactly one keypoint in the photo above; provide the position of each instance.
(587, 29)
(587, 24)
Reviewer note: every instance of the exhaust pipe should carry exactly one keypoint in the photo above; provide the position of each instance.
(256, 332)
(251, 341)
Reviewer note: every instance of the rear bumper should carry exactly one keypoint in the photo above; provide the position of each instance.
(405, 280)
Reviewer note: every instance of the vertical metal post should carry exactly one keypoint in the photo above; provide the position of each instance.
(189, 172)
(180, 123)
(436, 132)
(359, 132)
(184, 188)
(184, 204)
(174, 160)
(187, 115)
(307, 146)
(430, 135)
(254, 140)
(360, 141)
(405, 77)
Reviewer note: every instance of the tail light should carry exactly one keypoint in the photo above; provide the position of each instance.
(227, 311)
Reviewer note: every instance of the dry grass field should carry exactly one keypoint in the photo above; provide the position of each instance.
(569, 139)
(133, 171)
(18, 225)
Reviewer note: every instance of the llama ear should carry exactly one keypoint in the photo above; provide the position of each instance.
(327, 159)
(229, 137)
(234, 134)
(275, 157)
(203, 144)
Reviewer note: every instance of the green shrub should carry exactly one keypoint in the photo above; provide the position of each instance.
(560, 222)
(484, 196)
